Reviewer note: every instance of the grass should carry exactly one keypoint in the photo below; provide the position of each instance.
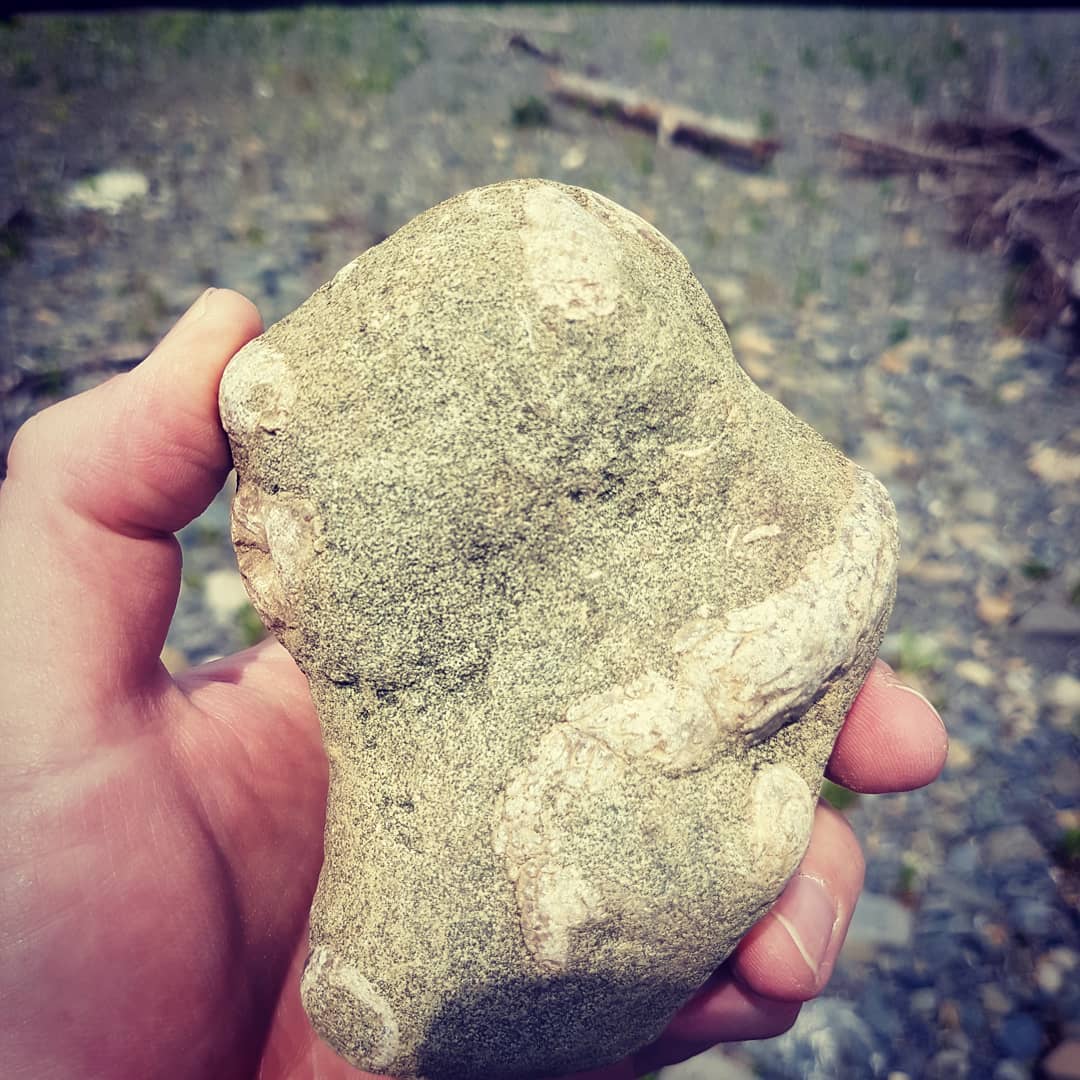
(839, 798)
(899, 330)
(807, 282)
(657, 48)
(360, 51)
(907, 880)
(249, 625)
(860, 57)
(530, 112)
(1035, 570)
(919, 653)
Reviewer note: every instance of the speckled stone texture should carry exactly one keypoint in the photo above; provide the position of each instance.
(582, 610)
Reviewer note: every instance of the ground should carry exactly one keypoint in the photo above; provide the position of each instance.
(144, 157)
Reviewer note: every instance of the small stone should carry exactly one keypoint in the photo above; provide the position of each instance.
(994, 999)
(224, 594)
(1063, 1062)
(108, 191)
(1010, 348)
(1011, 1070)
(582, 611)
(1054, 466)
(1050, 618)
(1012, 843)
(712, 1065)
(1020, 1036)
(573, 159)
(975, 672)
(1012, 391)
(1048, 976)
(960, 757)
(925, 1000)
(993, 609)
(174, 660)
(1063, 692)
(878, 922)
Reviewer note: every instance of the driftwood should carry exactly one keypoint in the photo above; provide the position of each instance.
(735, 140)
(523, 44)
(1012, 185)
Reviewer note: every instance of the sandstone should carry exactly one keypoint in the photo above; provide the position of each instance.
(582, 611)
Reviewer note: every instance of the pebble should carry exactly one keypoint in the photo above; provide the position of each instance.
(1020, 1036)
(107, 191)
(712, 1065)
(1012, 843)
(1063, 1062)
(878, 922)
(224, 594)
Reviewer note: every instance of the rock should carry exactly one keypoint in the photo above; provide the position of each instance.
(712, 1065)
(581, 609)
(1050, 618)
(1020, 1036)
(1012, 843)
(878, 922)
(224, 594)
(1063, 1062)
(108, 191)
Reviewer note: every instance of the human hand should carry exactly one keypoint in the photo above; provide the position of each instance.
(161, 838)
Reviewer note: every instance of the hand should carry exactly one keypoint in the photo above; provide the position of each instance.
(161, 838)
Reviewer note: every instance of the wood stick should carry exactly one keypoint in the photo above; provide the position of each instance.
(676, 124)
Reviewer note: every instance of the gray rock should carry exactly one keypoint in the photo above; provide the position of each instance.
(582, 611)
(879, 922)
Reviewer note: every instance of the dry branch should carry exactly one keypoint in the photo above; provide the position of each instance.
(736, 140)
(1011, 183)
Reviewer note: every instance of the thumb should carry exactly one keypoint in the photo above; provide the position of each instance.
(96, 486)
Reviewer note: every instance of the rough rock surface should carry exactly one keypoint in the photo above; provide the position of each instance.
(582, 610)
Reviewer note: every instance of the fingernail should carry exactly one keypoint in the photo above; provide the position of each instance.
(197, 310)
(808, 913)
(896, 683)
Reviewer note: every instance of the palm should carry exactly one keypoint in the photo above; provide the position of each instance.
(160, 841)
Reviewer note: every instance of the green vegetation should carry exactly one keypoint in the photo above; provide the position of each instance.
(899, 330)
(859, 267)
(1067, 848)
(839, 798)
(657, 48)
(531, 112)
(907, 880)
(250, 625)
(916, 81)
(766, 122)
(808, 57)
(363, 51)
(1035, 570)
(918, 653)
(807, 282)
(860, 56)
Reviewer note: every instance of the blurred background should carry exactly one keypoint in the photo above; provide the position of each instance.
(884, 208)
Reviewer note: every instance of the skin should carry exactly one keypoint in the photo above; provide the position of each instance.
(161, 837)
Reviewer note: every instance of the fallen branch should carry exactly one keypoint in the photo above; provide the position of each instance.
(523, 44)
(673, 124)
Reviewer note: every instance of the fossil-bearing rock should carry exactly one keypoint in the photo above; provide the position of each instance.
(582, 610)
